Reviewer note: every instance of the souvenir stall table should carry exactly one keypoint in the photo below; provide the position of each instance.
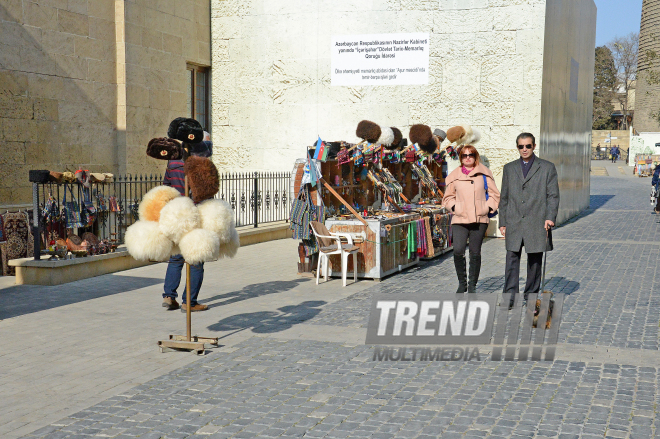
(645, 164)
(397, 233)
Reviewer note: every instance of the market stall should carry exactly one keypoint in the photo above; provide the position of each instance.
(645, 164)
(397, 197)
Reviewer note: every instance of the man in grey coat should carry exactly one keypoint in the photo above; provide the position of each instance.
(529, 203)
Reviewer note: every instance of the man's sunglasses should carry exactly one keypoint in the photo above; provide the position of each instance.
(467, 155)
(525, 146)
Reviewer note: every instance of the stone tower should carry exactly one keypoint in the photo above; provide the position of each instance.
(647, 97)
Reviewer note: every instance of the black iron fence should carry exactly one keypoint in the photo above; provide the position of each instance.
(259, 197)
(256, 198)
(115, 204)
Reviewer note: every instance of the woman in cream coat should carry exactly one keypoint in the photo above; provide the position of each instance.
(465, 197)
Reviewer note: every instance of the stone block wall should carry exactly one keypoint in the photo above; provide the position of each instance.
(57, 97)
(86, 83)
(160, 38)
(599, 136)
(271, 74)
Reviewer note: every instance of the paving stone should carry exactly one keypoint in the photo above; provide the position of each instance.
(269, 386)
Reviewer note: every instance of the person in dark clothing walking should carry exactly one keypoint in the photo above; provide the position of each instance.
(529, 203)
(175, 177)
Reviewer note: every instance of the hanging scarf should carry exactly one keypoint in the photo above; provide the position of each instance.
(430, 251)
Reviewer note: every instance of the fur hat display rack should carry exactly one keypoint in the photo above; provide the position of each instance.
(201, 229)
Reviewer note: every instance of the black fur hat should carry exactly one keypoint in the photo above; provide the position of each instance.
(186, 130)
(162, 148)
(422, 136)
(368, 131)
(398, 137)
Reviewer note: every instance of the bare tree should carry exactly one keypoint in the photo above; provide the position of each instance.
(624, 51)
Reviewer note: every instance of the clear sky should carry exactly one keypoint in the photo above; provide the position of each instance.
(616, 18)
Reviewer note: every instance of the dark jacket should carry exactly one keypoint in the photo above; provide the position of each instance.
(656, 176)
(527, 202)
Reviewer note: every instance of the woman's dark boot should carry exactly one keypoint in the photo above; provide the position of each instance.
(461, 273)
(475, 268)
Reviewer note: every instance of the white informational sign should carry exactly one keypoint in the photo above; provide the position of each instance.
(380, 59)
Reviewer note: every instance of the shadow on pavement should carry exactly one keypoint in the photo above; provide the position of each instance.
(25, 299)
(252, 291)
(560, 285)
(597, 201)
(267, 322)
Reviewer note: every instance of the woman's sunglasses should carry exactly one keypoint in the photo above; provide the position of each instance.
(467, 155)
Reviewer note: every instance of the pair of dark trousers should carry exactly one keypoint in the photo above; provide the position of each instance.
(173, 279)
(512, 273)
(475, 232)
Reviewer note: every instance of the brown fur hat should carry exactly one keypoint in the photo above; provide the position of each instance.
(422, 136)
(398, 137)
(162, 148)
(203, 178)
(368, 131)
(455, 133)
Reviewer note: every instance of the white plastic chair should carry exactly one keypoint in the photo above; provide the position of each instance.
(330, 244)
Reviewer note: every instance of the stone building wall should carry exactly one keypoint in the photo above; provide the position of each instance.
(271, 85)
(648, 95)
(85, 84)
(57, 97)
(492, 63)
(161, 37)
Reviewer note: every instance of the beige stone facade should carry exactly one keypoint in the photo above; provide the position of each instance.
(85, 84)
(648, 94)
(600, 136)
(502, 66)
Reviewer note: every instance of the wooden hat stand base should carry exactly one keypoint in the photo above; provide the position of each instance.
(190, 343)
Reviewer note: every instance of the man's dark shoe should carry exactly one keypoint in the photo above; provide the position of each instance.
(170, 303)
(195, 308)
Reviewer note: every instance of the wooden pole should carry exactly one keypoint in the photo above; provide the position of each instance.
(344, 202)
(188, 305)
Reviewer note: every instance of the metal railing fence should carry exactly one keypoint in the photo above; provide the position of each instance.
(604, 153)
(255, 197)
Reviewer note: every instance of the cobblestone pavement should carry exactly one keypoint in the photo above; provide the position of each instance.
(301, 369)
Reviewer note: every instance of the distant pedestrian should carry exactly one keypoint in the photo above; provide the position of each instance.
(529, 204)
(614, 152)
(466, 197)
(598, 151)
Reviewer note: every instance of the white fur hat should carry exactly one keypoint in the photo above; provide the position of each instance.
(179, 217)
(230, 248)
(200, 245)
(386, 136)
(145, 242)
(218, 217)
(472, 136)
(154, 201)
